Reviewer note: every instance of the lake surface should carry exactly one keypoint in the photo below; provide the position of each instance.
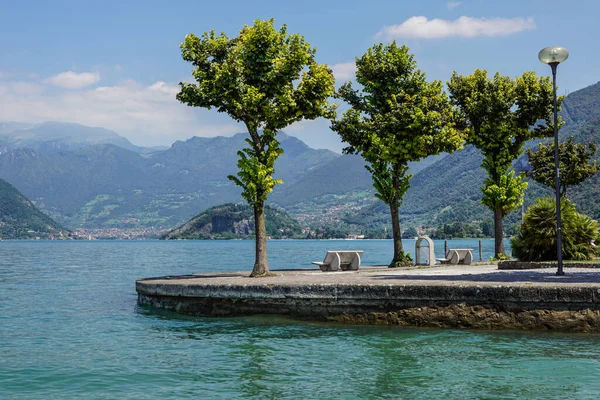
(70, 327)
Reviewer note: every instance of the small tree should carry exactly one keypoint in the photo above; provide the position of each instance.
(536, 238)
(397, 117)
(498, 116)
(267, 80)
(574, 163)
(410, 233)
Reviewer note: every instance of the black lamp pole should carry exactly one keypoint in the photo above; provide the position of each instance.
(560, 271)
(553, 56)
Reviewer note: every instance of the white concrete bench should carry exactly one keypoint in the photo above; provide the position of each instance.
(457, 256)
(346, 260)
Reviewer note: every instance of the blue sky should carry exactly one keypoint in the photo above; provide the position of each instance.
(116, 64)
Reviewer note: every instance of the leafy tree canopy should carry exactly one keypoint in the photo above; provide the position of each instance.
(498, 115)
(266, 79)
(395, 117)
(575, 164)
(263, 78)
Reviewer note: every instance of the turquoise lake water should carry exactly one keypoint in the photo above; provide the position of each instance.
(70, 328)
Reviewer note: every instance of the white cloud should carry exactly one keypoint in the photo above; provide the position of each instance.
(422, 28)
(454, 4)
(147, 114)
(344, 71)
(25, 89)
(73, 80)
(163, 87)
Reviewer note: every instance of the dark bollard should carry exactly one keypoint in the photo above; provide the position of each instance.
(480, 252)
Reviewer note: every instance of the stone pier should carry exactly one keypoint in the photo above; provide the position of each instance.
(470, 296)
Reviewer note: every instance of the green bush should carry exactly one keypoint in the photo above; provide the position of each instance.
(404, 261)
(536, 238)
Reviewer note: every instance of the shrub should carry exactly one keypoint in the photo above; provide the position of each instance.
(536, 238)
(404, 261)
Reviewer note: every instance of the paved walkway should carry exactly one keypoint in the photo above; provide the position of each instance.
(377, 275)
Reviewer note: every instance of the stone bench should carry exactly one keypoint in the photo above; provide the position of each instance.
(457, 256)
(345, 260)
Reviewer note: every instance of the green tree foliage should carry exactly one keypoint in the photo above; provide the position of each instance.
(459, 230)
(267, 80)
(536, 238)
(574, 163)
(410, 233)
(487, 228)
(498, 116)
(396, 117)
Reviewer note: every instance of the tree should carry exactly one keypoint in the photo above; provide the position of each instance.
(498, 115)
(536, 238)
(267, 80)
(395, 118)
(410, 233)
(574, 163)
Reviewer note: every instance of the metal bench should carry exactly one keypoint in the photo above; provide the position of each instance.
(457, 256)
(346, 260)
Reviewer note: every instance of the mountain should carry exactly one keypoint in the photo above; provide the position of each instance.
(340, 176)
(218, 156)
(231, 221)
(337, 190)
(60, 136)
(19, 219)
(105, 185)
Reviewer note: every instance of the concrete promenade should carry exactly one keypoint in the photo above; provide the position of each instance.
(478, 296)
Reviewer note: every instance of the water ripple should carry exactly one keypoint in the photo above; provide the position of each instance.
(70, 328)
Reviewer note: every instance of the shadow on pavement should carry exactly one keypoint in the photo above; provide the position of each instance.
(514, 276)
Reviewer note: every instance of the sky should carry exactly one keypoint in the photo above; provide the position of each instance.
(117, 64)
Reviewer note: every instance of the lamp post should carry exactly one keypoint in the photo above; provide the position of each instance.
(553, 56)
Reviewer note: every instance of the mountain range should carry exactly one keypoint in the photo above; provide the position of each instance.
(91, 181)
(87, 177)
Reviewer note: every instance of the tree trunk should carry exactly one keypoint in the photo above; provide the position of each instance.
(261, 266)
(397, 238)
(498, 234)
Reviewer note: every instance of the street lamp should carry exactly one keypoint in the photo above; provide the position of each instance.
(553, 56)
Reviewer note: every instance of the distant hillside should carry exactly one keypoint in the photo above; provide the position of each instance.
(108, 186)
(231, 221)
(338, 177)
(19, 219)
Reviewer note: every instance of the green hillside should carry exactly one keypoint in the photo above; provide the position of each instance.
(19, 219)
(235, 221)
